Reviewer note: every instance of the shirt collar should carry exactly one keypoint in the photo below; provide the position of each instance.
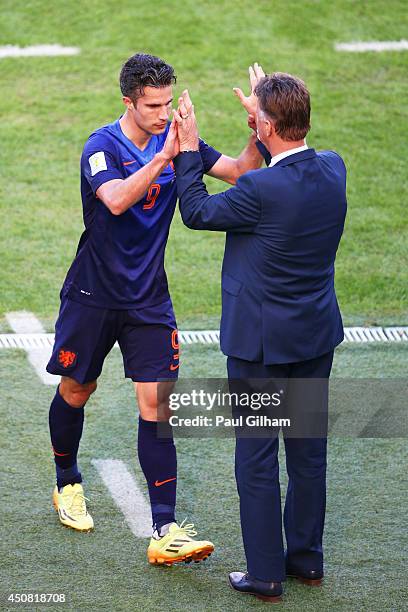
(280, 156)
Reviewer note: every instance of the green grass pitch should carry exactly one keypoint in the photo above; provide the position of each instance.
(49, 106)
(366, 538)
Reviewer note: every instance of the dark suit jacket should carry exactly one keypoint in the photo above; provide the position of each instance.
(283, 226)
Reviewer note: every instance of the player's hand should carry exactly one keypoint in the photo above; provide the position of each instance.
(250, 102)
(186, 124)
(251, 122)
(171, 146)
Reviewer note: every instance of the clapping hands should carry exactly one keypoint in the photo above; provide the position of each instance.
(186, 123)
(183, 132)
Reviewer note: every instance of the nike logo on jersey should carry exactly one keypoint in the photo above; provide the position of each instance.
(160, 483)
(129, 162)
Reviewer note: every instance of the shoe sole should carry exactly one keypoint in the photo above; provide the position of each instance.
(314, 582)
(201, 554)
(87, 530)
(269, 599)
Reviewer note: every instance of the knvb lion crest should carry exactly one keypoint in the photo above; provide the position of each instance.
(67, 358)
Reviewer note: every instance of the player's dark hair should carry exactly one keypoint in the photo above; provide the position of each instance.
(286, 100)
(143, 70)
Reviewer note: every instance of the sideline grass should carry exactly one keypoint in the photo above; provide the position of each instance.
(52, 104)
(366, 539)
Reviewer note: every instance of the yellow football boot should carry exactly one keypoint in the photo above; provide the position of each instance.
(177, 545)
(71, 507)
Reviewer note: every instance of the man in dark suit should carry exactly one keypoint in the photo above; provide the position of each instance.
(280, 317)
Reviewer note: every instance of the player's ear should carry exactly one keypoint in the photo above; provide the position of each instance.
(128, 102)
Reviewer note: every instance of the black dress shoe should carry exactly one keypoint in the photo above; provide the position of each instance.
(310, 577)
(267, 591)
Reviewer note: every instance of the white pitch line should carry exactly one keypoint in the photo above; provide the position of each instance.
(37, 51)
(377, 46)
(126, 495)
(23, 322)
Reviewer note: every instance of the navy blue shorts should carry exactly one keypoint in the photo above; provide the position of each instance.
(84, 335)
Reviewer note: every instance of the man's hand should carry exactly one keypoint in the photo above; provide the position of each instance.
(186, 124)
(171, 147)
(250, 102)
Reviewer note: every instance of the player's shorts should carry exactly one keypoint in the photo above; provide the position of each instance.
(84, 335)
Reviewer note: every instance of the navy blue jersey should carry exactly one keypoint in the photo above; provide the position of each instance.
(119, 262)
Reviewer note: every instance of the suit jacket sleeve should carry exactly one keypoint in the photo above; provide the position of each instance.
(238, 208)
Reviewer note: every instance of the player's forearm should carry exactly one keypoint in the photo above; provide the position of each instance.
(250, 158)
(229, 169)
(123, 194)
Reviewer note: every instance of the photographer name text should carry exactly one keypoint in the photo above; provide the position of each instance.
(221, 421)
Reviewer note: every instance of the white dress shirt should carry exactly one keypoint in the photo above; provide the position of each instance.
(280, 156)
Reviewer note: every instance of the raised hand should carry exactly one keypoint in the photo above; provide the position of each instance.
(171, 147)
(186, 123)
(249, 102)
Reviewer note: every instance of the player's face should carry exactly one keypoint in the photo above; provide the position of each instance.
(152, 111)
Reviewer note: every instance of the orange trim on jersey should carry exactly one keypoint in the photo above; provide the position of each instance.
(130, 162)
(174, 366)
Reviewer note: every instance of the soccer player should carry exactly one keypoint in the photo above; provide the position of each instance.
(116, 290)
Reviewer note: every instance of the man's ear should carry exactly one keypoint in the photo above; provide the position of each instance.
(269, 128)
(128, 102)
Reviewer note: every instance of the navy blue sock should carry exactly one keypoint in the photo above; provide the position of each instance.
(158, 460)
(66, 423)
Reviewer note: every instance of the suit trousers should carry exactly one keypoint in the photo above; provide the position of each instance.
(257, 476)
